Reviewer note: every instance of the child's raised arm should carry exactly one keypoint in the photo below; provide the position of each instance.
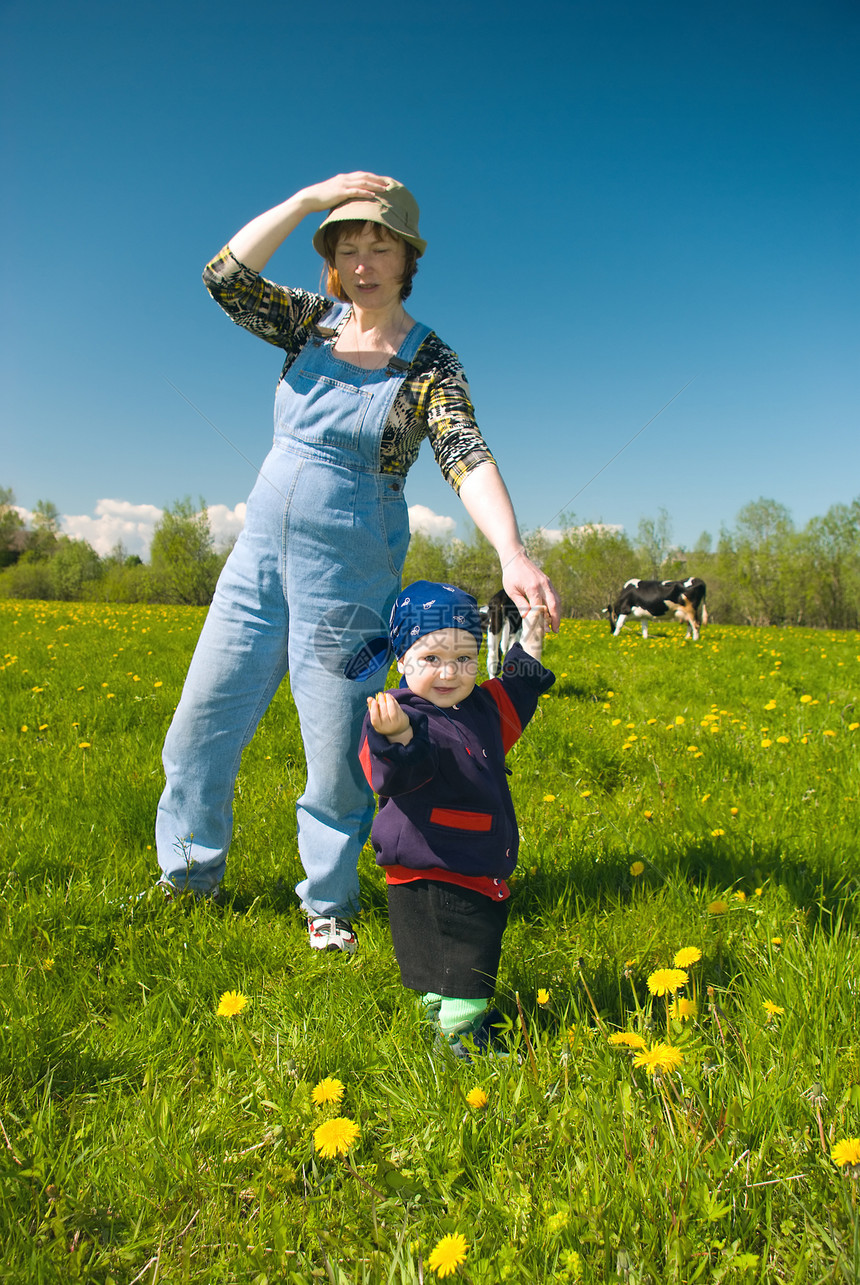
(389, 719)
(535, 623)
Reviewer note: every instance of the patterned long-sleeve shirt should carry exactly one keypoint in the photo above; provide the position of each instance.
(433, 400)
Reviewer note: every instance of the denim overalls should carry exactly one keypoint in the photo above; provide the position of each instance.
(313, 574)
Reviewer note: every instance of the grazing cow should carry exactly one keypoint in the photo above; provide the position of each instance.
(647, 599)
(504, 627)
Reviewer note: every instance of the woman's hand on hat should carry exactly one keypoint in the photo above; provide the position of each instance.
(359, 185)
(389, 719)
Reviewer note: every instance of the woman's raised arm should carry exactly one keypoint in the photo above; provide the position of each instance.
(257, 241)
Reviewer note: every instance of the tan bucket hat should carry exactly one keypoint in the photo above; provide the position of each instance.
(395, 208)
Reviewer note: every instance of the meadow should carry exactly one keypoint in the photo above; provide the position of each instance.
(681, 1101)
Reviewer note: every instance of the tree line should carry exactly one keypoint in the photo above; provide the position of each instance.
(762, 571)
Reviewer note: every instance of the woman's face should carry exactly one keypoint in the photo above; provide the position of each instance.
(371, 266)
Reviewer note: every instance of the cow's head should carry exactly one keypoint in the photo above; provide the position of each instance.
(610, 611)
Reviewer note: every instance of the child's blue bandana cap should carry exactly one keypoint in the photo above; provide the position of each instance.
(422, 608)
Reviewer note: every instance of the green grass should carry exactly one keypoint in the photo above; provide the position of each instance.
(147, 1139)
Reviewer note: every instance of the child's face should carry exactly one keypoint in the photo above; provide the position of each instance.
(441, 666)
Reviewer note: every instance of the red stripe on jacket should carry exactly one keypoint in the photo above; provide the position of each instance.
(512, 728)
(482, 821)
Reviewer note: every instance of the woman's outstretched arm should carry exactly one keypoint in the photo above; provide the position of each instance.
(488, 504)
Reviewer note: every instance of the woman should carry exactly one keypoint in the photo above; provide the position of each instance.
(310, 582)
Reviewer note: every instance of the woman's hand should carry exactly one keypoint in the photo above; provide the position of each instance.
(389, 719)
(489, 506)
(530, 589)
(342, 187)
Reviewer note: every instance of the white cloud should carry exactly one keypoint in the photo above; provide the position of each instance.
(552, 535)
(115, 522)
(225, 524)
(599, 528)
(132, 525)
(429, 523)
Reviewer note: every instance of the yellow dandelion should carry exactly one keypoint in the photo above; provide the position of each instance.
(231, 1004)
(852, 727)
(549, 798)
(776, 941)
(335, 1137)
(477, 1098)
(772, 1010)
(24, 727)
(705, 798)
(328, 1090)
(740, 895)
(846, 1152)
(542, 996)
(804, 700)
(783, 740)
(680, 720)
(662, 1057)
(770, 705)
(827, 732)
(716, 834)
(683, 1009)
(637, 868)
(84, 745)
(615, 722)
(448, 1254)
(627, 1040)
(717, 908)
(734, 811)
(665, 981)
(766, 743)
(648, 815)
(585, 794)
(48, 964)
(687, 956)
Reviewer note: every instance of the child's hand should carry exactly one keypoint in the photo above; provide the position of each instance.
(389, 719)
(535, 624)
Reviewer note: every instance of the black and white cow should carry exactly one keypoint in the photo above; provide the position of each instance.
(504, 628)
(648, 599)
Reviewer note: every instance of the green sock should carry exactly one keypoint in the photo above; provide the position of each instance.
(430, 1005)
(457, 1013)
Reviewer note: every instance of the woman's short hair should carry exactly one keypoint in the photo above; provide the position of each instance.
(332, 235)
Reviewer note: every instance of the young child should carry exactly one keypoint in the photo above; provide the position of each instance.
(446, 833)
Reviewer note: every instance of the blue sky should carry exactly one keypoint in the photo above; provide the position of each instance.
(618, 197)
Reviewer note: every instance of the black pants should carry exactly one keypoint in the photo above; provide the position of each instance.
(447, 939)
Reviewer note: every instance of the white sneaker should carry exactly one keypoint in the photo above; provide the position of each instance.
(327, 932)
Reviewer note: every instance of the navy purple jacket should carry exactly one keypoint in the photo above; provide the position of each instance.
(444, 800)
